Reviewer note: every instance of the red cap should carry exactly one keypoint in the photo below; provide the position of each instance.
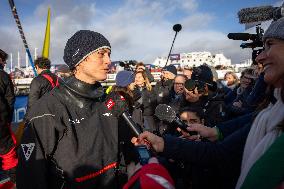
(150, 176)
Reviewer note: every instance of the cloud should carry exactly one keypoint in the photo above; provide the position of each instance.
(140, 29)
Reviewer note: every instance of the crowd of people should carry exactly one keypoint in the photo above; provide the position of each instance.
(77, 135)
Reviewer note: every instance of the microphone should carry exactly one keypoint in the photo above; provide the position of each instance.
(260, 14)
(116, 103)
(167, 113)
(242, 36)
(177, 27)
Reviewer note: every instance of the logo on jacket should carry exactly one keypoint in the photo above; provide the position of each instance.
(27, 150)
(110, 103)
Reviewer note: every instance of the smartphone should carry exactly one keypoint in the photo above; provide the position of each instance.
(143, 154)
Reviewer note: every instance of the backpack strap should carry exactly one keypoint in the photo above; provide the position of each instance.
(51, 81)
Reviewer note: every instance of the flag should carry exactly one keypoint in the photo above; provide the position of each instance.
(46, 44)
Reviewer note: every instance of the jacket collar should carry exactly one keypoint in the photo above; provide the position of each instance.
(81, 88)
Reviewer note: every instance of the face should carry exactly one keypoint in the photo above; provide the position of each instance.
(230, 79)
(272, 59)
(2, 62)
(139, 80)
(167, 75)
(245, 80)
(179, 84)
(190, 118)
(95, 67)
(187, 73)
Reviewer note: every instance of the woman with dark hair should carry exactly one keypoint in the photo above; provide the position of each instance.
(239, 106)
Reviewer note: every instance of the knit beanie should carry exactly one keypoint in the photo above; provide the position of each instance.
(81, 45)
(275, 30)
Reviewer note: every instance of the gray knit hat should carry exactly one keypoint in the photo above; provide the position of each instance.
(82, 44)
(275, 30)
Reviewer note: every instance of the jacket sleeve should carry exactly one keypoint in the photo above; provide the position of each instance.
(34, 94)
(207, 153)
(10, 96)
(37, 141)
(7, 93)
(229, 127)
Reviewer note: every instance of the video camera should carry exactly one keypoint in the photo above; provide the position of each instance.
(254, 17)
(256, 45)
(128, 65)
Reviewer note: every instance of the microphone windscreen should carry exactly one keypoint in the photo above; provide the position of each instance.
(256, 14)
(190, 84)
(177, 27)
(165, 113)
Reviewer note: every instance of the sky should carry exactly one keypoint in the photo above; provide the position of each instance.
(137, 29)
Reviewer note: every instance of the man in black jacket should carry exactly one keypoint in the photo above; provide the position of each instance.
(71, 139)
(43, 83)
(7, 100)
(163, 87)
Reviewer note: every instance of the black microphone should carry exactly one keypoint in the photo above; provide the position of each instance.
(177, 27)
(242, 36)
(167, 113)
(133, 126)
(117, 105)
(260, 14)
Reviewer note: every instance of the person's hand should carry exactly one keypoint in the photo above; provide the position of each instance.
(238, 104)
(203, 131)
(150, 140)
(191, 96)
(187, 136)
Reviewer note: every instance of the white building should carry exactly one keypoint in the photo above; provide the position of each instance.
(244, 64)
(194, 59)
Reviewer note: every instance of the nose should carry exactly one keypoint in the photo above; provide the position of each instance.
(107, 60)
(261, 57)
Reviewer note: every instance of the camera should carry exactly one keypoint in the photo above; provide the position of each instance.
(128, 65)
(255, 38)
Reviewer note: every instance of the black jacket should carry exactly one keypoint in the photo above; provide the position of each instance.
(39, 86)
(162, 91)
(7, 95)
(7, 99)
(70, 133)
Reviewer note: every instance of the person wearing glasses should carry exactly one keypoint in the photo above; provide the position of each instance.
(200, 92)
(177, 98)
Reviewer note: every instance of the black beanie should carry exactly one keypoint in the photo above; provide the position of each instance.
(82, 44)
(170, 68)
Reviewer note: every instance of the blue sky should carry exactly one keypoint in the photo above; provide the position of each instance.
(137, 29)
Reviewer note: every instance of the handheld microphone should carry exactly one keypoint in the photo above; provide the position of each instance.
(167, 113)
(117, 105)
(260, 14)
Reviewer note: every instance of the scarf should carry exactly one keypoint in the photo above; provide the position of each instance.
(262, 134)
